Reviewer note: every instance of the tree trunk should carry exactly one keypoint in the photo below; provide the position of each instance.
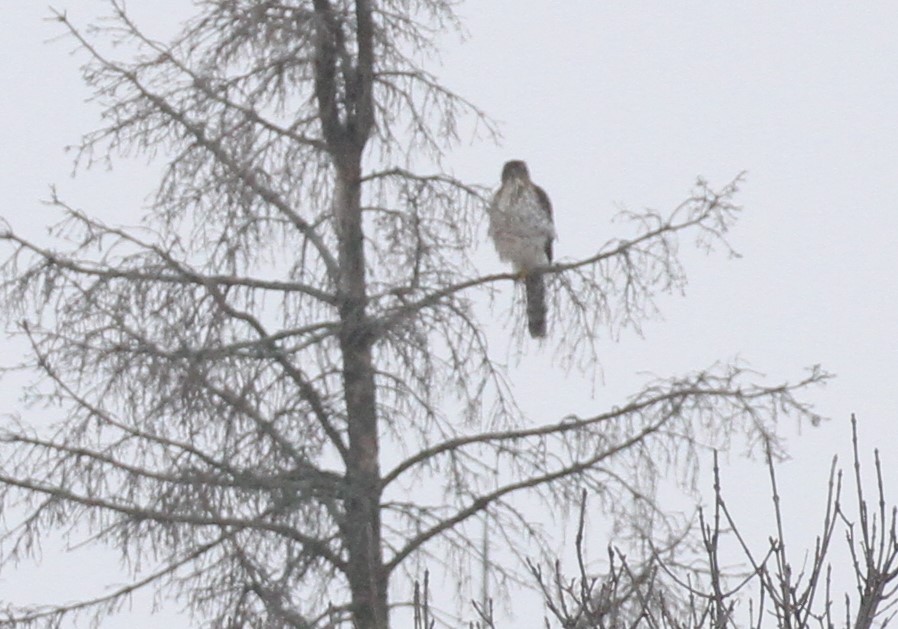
(367, 576)
(345, 110)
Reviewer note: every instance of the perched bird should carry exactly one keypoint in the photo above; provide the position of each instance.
(522, 229)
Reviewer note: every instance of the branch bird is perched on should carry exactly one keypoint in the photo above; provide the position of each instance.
(522, 229)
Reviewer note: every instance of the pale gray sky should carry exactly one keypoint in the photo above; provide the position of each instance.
(611, 104)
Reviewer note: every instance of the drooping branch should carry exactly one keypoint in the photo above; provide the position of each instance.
(195, 129)
(16, 617)
(142, 269)
(704, 391)
(482, 502)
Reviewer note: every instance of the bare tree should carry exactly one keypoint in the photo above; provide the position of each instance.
(277, 391)
(779, 588)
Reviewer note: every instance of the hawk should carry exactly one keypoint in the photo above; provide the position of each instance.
(522, 229)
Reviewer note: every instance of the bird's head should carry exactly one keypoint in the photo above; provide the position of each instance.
(515, 169)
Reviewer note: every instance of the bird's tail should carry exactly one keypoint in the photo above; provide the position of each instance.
(535, 287)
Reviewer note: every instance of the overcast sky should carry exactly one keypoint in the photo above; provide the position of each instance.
(624, 104)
